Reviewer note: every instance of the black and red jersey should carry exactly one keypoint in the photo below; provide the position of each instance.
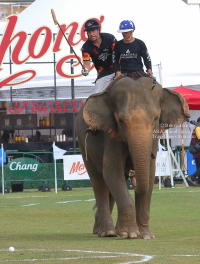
(101, 57)
(127, 57)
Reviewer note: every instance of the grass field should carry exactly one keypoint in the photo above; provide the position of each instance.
(57, 228)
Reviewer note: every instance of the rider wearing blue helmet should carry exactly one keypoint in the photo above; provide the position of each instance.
(129, 52)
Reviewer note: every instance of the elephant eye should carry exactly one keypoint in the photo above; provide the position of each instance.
(121, 123)
(156, 118)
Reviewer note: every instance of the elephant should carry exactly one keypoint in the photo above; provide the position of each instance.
(129, 116)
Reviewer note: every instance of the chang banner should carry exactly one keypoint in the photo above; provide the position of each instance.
(24, 167)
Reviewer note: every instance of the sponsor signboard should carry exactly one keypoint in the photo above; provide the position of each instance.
(20, 40)
(74, 168)
(162, 164)
(24, 167)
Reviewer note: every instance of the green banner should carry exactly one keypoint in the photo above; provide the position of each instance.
(24, 167)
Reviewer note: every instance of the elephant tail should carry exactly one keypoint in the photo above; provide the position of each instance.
(95, 206)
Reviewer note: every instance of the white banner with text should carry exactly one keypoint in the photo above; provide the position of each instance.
(74, 168)
(162, 164)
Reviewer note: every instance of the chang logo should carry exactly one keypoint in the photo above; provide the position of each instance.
(24, 166)
(19, 166)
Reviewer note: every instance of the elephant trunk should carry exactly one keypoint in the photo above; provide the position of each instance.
(140, 147)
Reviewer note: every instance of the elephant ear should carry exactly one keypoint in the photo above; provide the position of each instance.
(98, 114)
(174, 109)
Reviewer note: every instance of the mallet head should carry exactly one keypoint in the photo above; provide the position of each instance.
(54, 17)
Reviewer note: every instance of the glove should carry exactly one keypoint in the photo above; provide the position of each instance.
(84, 71)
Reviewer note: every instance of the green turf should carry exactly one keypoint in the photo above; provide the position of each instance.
(48, 228)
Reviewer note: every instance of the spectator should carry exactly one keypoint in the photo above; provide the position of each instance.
(5, 136)
(194, 179)
(133, 178)
(37, 136)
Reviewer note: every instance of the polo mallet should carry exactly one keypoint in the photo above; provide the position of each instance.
(193, 122)
(56, 23)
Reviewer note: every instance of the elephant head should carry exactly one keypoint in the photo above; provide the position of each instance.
(132, 112)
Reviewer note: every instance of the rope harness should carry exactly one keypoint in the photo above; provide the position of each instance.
(86, 156)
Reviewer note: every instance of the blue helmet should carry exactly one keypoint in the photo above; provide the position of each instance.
(126, 26)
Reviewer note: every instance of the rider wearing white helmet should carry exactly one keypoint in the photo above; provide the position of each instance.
(129, 51)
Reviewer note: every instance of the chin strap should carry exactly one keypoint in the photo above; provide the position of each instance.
(131, 36)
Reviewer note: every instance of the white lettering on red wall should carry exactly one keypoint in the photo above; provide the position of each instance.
(43, 106)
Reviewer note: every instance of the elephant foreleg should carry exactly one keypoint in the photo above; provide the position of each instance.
(113, 173)
(142, 203)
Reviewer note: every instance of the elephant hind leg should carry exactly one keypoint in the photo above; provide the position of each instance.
(103, 225)
(103, 221)
(96, 223)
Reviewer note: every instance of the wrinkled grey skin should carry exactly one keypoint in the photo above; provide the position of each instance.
(128, 118)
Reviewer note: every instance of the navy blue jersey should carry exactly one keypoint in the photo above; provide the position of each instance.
(101, 57)
(127, 57)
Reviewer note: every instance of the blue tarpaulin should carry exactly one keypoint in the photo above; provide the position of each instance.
(191, 163)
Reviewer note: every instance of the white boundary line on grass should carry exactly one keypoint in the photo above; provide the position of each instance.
(72, 201)
(145, 258)
(49, 196)
(63, 202)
